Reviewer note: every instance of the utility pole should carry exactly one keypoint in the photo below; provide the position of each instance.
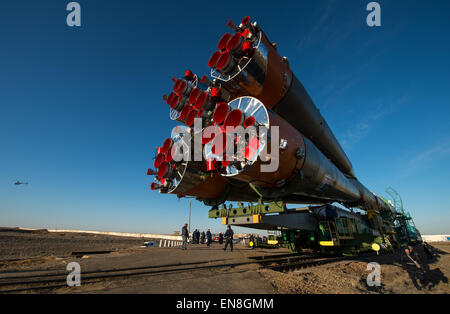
(189, 223)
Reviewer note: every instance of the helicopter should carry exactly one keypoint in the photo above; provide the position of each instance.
(20, 183)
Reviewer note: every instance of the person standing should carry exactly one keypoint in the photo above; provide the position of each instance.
(184, 236)
(208, 237)
(229, 238)
(203, 237)
(194, 236)
(252, 242)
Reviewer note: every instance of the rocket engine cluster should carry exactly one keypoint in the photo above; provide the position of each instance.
(250, 131)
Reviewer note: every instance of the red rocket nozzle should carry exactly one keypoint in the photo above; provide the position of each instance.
(158, 160)
(188, 75)
(235, 42)
(214, 58)
(225, 161)
(245, 21)
(166, 146)
(210, 165)
(224, 61)
(231, 25)
(181, 87)
(223, 42)
(169, 99)
(233, 119)
(249, 122)
(174, 101)
(216, 92)
(220, 113)
(205, 80)
(155, 186)
(193, 96)
(169, 156)
(191, 117)
(246, 33)
(177, 85)
(247, 48)
(251, 149)
(201, 99)
(184, 112)
(163, 170)
(200, 112)
(151, 172)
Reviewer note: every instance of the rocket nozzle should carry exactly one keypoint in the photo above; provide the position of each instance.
(203, 101)
(188, 75)
(169, 98)
(167, 145)
(234, 119)
(221, 112)
(151, 172)
(200, 112)
(214, 58)
(184, 112)
(235, 43)
(193, 96)
(174, 101)
(225, 161)
(205, 80)
(158, 160)
(210, 165)
(247, 49)
(222, 46)
(216, 92)
(154, 186)
(245, 21)
(176, 86)
(165, 170)
(233, 26)
(191, 117)
(249, 122)
(226, 62)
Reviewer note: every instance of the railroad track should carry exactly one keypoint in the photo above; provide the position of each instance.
(23, 282)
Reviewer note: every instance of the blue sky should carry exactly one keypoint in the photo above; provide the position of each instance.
(81, 109)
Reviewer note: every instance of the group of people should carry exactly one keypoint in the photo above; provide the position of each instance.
(200, 237)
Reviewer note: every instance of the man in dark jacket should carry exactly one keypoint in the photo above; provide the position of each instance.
(198, 236)
(229, 238)
(208, 237)
(203, 237)
(252, 242)
(185, 236)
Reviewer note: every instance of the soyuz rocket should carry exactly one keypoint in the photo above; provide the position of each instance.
(252, 87)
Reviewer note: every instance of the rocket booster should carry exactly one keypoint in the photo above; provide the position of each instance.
(253, 88)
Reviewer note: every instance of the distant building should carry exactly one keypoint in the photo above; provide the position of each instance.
(436, 238)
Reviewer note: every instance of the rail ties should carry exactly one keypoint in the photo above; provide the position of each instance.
(48, 281)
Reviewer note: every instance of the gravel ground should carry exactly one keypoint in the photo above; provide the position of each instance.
(349, 277)
(20, 244)
(28, 250)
